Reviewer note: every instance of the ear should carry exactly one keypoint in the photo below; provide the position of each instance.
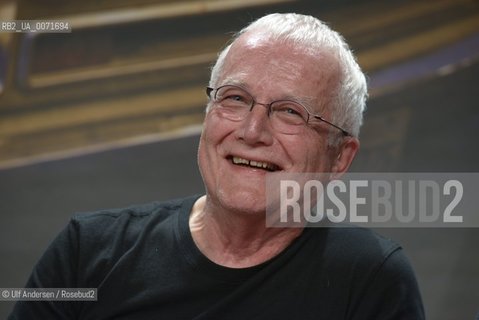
(344, 156)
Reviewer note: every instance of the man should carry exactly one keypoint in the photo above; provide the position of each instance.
(285, 96)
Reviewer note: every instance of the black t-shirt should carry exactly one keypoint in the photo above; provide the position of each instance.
(145, 265)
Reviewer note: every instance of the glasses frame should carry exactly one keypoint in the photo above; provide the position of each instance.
(210, 90)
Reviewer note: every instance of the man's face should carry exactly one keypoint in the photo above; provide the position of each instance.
(269, 72)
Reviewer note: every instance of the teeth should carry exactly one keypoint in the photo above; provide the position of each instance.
(237, 160)
(252, 163)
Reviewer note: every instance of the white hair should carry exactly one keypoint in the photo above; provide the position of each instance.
(314, 36)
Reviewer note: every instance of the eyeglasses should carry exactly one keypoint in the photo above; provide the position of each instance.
(286, 116)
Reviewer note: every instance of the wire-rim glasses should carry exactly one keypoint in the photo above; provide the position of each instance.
(286, 116)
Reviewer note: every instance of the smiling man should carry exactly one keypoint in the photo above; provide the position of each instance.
(286, 96)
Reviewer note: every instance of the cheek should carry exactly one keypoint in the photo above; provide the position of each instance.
(216, 128)
(321, 160)
(206, 149)
(311, 153)
(206, 163)
(201, 151)
(214, 132)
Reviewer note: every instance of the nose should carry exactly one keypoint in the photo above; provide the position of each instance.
(256, 127)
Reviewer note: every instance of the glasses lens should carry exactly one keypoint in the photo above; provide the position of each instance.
(288, 116)
(234, 102)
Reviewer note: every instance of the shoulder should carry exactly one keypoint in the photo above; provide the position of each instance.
(358, 254)
(371, 267)
(97, 241)
(367, 253)
(356, 242)
(107, 235)
(134, 212)
(131, 219)
(383, 283)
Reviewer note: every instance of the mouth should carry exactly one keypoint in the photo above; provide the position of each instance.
(268, 166)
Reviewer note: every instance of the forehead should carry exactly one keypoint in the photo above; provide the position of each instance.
(274, 68)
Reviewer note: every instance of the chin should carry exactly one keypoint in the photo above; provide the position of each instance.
(244, 202)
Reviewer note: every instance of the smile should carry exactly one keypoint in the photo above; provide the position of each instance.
(255, 164)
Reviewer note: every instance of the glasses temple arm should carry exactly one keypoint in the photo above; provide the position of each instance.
(344, 132)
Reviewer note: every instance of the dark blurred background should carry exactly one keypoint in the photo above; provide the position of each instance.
(109, 114)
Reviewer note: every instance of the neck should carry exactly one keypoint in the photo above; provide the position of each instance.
(236, 240)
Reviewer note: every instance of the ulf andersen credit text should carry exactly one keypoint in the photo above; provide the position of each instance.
(49, 294)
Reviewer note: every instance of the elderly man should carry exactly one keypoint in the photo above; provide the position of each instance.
(285, 96)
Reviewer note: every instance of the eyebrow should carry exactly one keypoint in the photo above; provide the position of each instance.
(234, 81)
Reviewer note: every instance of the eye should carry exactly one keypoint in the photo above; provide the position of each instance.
(288, 108)
(289, 112)
(233, 96)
